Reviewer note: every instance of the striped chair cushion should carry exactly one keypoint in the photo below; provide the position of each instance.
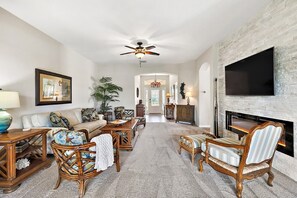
(263, 144)
(198, 139)
(246, 170)
(228, 155)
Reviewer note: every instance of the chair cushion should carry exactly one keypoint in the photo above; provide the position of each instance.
(263, 143)
(128, 114)
(59, 121)
(88, 166)
(70, 138)
(246, 170)
(89, 115)
(141, 119)
(228, 155)
(118, 112)
(198, 139)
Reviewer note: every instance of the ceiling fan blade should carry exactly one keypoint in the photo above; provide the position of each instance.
(152, 53)
(150, 47)
(130, 47)
(127, 53)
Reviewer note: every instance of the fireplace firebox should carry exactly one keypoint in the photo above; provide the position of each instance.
(243, 123)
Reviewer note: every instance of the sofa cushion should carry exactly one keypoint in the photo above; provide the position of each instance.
(40, 120)
(59, 121)
(90, 126)
(89, 114)
(36, 120)
(70, 115)
(77, 113)
(228, 155)
(65, 137)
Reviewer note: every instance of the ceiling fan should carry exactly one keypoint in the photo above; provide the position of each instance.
(140, 51)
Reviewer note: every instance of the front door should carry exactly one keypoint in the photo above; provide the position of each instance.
(154, 99)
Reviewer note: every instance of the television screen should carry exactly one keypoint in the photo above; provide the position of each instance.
(253, 75)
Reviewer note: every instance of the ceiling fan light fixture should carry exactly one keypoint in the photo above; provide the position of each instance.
(139, 55)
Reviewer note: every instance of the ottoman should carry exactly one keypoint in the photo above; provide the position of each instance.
(192, 143)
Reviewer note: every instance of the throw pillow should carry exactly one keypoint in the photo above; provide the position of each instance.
(59, 121)
(89, 114)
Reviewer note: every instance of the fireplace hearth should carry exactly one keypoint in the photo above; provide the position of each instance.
(242, 124)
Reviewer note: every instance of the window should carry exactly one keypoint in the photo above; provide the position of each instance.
(155, 100)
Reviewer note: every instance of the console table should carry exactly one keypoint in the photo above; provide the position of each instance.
(10, 177)
(185, 113)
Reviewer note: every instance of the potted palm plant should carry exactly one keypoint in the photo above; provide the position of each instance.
(105, 91)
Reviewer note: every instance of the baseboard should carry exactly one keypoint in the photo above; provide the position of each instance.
(204, 126)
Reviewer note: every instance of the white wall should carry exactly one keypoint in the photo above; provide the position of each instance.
(173, 80)
(137, 85)
(24, 48)
(210, 56)
(124, 75)
(186, 74)
(204, 106)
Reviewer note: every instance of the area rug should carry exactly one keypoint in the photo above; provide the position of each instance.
(155, 169)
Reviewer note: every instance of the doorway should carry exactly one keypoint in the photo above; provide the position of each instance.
(204, 96)
(154, 100)
(153, 88)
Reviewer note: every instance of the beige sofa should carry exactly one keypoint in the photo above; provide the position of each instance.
(42, 120)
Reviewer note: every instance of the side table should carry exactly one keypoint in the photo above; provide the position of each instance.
(10, 177)
(169, 111)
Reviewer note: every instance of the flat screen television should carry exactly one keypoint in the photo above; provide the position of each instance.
(252, 76)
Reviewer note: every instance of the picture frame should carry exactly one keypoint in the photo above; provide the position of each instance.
(52, 88)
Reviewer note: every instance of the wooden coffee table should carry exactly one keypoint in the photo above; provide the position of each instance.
(126, 131)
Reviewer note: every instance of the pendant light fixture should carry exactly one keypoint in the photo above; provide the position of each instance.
(155, 84)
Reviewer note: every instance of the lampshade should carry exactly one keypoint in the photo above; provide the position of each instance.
(168, 95)
(139, 55)
(9, 99)
(188, 94)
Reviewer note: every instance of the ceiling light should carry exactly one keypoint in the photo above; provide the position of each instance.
(155, 84)
(139, 55)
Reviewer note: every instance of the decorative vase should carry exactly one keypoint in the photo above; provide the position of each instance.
(5, 121)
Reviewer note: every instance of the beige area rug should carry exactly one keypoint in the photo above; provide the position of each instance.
(155, 169)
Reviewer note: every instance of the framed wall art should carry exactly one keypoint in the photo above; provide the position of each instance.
(52, 88)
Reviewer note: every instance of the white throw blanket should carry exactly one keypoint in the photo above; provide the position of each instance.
(104, 151)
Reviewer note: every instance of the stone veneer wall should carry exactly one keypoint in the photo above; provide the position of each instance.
(275, 26)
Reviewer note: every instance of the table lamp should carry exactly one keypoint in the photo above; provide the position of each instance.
(188, 94)
(8, 100)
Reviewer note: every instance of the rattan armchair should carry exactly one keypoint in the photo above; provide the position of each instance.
(246, 159)
(75, 163)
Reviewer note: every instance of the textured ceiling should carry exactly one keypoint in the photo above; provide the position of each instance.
(98, 29)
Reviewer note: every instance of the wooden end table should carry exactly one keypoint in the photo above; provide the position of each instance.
(10, 177)
(128, 133)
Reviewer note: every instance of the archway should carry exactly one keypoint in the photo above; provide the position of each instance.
(204, 96)
(168, 86)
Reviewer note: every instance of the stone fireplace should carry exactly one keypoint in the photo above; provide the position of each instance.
(242, 124)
